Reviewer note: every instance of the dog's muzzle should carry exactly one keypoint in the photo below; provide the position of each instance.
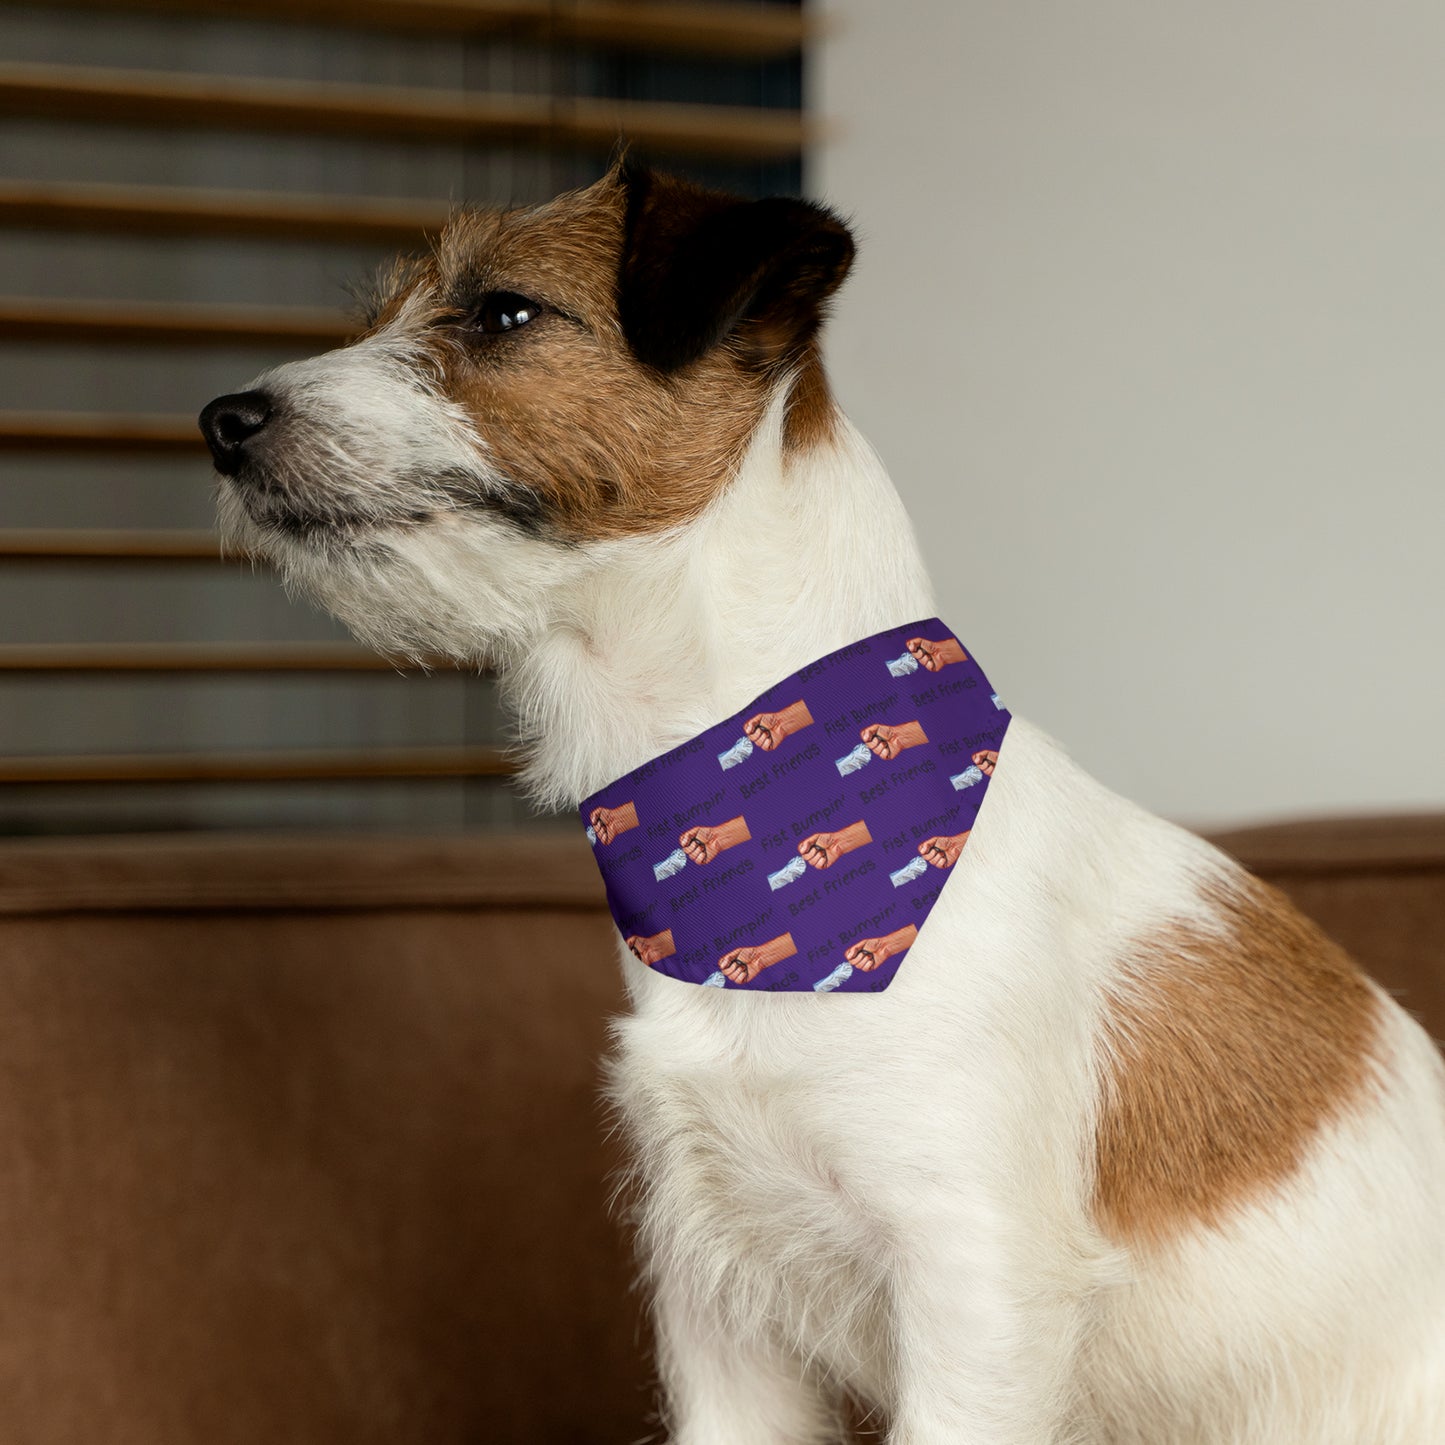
(231, 422)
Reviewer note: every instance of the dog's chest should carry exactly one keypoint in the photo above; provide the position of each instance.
(751, 1165)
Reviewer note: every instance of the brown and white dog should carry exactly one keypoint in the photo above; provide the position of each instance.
(1129, 1153)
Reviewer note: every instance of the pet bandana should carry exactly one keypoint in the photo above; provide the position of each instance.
(798, 846)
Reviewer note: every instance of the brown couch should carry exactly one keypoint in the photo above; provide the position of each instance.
(301, 1138)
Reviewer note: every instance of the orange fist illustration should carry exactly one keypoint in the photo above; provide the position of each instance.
(823, 850)
(987, 761)
(766, 730)
(652, 948)
(703, 843)
(743, 965)
(889, 741)
(943, 851)
(607, 823)
(934, 655)
(869, 953)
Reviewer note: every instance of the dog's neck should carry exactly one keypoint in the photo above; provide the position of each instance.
(661, 637)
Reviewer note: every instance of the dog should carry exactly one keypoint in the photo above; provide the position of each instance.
(1129, 1152)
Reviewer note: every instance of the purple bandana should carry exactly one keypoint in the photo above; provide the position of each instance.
(799, 846)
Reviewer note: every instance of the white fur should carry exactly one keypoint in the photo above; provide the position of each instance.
(890, 1193)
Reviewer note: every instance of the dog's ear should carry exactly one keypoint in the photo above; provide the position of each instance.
(700, 266)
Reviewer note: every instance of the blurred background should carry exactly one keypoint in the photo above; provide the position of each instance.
(302, 1008)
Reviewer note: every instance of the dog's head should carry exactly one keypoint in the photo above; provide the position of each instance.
(563, 376)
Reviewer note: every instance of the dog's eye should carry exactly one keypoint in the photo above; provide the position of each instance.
(504, 311)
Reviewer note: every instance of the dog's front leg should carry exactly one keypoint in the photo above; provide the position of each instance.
(985, 1347)
(722, 1386)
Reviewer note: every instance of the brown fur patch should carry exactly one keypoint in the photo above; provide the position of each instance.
(812, 413)
(608, 446)
(605, 445)
(1226, 1054)
(596, 443)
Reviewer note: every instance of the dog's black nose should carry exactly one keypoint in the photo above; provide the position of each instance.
(229, 422)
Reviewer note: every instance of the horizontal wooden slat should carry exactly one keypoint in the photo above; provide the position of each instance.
(175, 210)
(259, 767)
(219, 102)
(129, 657)
(83, 431)
(759, 32)
(710, 29)
(76, 544)
(549, 867)
(171, 323)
